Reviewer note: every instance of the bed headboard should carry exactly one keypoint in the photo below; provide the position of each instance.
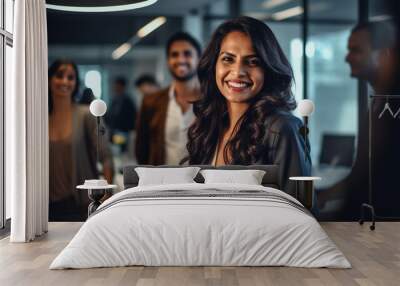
(270, 179)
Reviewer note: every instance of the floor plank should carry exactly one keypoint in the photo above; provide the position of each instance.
(375, 257)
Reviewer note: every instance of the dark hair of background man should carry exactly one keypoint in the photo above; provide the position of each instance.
(182, 36)
(121, 81)
(146, 78)
(382, 34)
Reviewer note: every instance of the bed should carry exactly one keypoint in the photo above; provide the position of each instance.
(201, 224)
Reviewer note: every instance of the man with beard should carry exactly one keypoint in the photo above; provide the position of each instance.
(370, 45)
(165, 116)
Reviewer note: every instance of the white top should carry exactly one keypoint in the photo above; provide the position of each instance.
(177, 125)
(214, 159)
(304, 178)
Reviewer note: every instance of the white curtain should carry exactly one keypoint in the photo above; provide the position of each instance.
(27, 124)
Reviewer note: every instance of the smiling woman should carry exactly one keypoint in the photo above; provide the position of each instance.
(239, 74)
(244, 117)
(72, 145)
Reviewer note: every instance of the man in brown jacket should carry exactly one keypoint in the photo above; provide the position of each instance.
(166, 115)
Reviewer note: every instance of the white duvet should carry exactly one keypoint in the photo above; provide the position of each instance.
(188, 231)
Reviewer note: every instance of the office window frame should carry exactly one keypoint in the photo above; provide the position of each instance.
(6, 39)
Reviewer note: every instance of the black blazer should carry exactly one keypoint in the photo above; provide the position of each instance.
(285, 146)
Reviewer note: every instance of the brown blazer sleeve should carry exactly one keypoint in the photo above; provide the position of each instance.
(150, 129)
(142, 144)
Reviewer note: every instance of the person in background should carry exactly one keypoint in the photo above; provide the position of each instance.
(147, 84)
(72, 145)
(244, 114)
(370, 47)
(121, 117)
(391, 83)
(166, 115)
(87, 96)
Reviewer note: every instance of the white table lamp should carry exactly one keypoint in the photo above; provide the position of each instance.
(306, 108)
(305, 184)
(98, 108)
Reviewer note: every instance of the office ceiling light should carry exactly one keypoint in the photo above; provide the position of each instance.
(143, 32)
(288, 13)
(151, 26)
(378, 18)
(97, 5)
(269, 4)
(121, 50)
(258, 15)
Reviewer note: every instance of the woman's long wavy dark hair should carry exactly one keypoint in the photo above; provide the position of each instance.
(211, 113)
(52, 72)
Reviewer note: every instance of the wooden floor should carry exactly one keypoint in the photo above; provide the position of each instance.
(375, 257)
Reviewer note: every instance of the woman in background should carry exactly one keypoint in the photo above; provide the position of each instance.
(243, 117)
(72, 144)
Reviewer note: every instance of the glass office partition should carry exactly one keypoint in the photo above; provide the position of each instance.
(334, 122)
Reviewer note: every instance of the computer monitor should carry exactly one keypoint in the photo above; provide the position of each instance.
(337, 150)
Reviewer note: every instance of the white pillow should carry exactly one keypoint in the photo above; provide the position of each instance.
(164, 176)
(248, 177)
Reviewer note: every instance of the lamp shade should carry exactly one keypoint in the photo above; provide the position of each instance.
(306, 107)
(98, 107)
